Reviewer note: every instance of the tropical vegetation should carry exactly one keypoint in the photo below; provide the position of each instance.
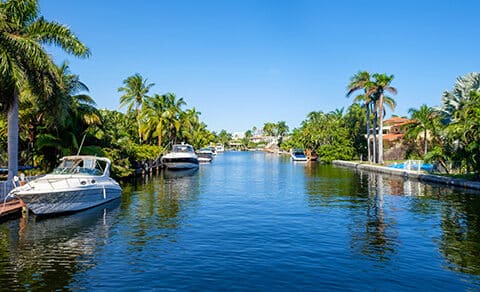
(49, 112)
(25, 66)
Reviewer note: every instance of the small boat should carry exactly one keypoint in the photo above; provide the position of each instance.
(79, 182)
(204, 155)
(298, 155)
(220, 148)
(213, 149)
(182, 156)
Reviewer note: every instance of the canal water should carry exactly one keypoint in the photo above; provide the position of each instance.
(254, 221)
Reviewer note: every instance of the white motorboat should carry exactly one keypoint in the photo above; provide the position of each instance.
(213, 149)
(182, 156)
(204, 155)
(79, 182)
(298, 155)
(220, 148)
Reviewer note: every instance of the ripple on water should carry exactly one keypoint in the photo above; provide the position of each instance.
(259, 222)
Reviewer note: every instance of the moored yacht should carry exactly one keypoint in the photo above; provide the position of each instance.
(204, 155)
(298, 155)
(182, 156)
(79, 182)
(220, 148)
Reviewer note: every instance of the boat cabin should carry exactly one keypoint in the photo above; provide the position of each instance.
(90, 165)
(182, 148)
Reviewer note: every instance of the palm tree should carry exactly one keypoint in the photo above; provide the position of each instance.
(25, 62)
(246, 138)
(423, 121)
(154, 117)
(361, 81)
(190, 120)
(269, 129)
(381, 84)
(135, 91)
(452, 101)
(282, 130)
(173, 109)
(224, 137)
(68, 113)
(464, 130)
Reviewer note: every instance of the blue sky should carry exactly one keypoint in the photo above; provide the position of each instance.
(246, 62)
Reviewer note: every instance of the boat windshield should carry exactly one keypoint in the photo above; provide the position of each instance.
(79, 166)
(182, 148)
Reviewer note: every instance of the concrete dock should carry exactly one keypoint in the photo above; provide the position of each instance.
(421, 176)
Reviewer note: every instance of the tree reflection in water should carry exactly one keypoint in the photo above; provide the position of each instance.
(374, 202)
(42, 254)
(158, 201)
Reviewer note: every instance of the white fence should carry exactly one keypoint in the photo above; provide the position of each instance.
(415, 165)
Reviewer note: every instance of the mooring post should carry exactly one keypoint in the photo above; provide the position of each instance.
(24, 210)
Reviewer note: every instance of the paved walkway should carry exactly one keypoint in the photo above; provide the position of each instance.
(411, 174)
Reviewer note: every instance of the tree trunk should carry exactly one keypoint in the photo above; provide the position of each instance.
(13, 138)
(137, 117)
(425, 141)
(375, 137)
(368, 132)
(380, 130)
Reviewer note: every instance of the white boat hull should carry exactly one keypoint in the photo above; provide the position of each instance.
(181, 157)
(72, 200)
(294, 158)
(204, 159)
(180, 165)
(79, 182)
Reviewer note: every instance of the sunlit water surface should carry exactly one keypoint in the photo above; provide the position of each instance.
(254, 221)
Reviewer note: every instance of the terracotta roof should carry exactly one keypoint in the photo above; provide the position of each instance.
(397, 121)
(392, 137)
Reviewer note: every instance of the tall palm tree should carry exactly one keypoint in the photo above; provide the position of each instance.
(190, 120)
(153, 115)
(25, 62)
(135, 91)
(282, 130)
(423, 121)
(173, 109)
(269, 129)
(381, 84)
(361, 81)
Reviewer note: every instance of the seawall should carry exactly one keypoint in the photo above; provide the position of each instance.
(431, 178)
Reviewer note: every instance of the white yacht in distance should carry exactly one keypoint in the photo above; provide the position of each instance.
(220, 148)
(79, 182)
(204, 155)
(298, 155)
(182, 156)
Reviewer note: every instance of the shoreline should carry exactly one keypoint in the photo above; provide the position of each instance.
(423, 177)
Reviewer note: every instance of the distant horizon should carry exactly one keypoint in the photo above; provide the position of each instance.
(245, 63)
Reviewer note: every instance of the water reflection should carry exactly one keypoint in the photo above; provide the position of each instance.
(377, 202)
(156, 204)
(374, 233)
(259, 222)
(460, 241)
(46, 253)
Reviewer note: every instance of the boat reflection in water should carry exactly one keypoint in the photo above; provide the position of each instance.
(49, 252)
(172, 174)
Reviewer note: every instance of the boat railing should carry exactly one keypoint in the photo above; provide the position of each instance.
(52, 182)
(415, 165)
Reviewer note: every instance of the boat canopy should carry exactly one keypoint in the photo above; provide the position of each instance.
(83, 164)
(182, 148)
